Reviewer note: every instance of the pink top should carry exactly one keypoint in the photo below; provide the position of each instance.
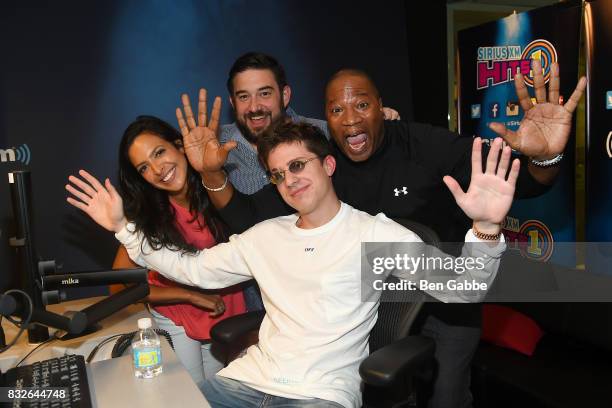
(196, 321)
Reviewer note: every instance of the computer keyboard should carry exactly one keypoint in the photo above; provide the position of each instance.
(66, 373)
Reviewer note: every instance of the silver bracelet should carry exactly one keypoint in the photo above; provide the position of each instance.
(217, 188)
(549, 162)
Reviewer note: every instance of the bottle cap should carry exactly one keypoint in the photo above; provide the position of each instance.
(144, 323)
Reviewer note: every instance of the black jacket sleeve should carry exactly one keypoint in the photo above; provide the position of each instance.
(243, 211)
(526, 185)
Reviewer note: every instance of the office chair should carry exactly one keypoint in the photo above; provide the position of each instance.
(396, 359)
(395, 356)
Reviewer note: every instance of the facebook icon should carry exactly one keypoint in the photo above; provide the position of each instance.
(494, 109)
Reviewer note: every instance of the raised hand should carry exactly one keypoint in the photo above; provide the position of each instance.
(202, 147)
(545, 128)
(490, 193)
(390, 113)
(101, 202)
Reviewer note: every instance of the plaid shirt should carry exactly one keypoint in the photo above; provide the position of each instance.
(242, 166)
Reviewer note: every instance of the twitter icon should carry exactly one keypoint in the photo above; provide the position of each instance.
(475, 111)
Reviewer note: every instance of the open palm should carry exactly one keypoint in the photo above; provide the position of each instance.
(545, 128)
(101, 202)
(202, 147)
(489, 196)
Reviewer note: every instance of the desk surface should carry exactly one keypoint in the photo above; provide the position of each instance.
(111, 381)
(114, 384)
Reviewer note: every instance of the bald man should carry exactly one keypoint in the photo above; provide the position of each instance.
(397, 168)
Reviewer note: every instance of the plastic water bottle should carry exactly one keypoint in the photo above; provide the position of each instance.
(146, 351)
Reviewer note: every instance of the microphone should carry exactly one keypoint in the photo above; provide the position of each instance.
(115, 302)
(74, 324)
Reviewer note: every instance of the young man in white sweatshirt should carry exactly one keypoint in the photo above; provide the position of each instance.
(319, 315)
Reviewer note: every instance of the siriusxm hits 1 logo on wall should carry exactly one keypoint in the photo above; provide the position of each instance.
(489, 56)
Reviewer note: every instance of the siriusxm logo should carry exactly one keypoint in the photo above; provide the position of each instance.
(498, 65)
(21, 154)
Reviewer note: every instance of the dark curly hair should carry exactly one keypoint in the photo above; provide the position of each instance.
(149, 207)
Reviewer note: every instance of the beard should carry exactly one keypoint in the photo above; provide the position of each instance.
(251, 136)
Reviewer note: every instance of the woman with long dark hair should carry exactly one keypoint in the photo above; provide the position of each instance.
(165, 199)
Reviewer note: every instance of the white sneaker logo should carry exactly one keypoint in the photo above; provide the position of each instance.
(404, 191)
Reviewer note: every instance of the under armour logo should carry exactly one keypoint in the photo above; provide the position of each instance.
(404, 191)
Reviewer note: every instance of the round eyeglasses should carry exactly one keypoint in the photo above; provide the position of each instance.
(295, 167)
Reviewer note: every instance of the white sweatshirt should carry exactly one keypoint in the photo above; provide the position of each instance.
(316, 329)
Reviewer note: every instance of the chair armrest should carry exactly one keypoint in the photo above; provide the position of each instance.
(232, 329)
(408, 355)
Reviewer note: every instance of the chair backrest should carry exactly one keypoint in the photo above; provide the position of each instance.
(424, 232)
(399, 309)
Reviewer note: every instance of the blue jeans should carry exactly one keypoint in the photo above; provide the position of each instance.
(252, 296)
(196, 356)
(223, 392)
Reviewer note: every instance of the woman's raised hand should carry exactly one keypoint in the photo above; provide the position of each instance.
(200, 139)
(101, 202)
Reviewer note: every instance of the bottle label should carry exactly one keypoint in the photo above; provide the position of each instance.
(147, 357)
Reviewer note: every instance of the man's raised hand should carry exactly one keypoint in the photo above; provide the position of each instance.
(390, 114)
(490, 193)
(200, 140)
(545, 128)
(101, 202)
